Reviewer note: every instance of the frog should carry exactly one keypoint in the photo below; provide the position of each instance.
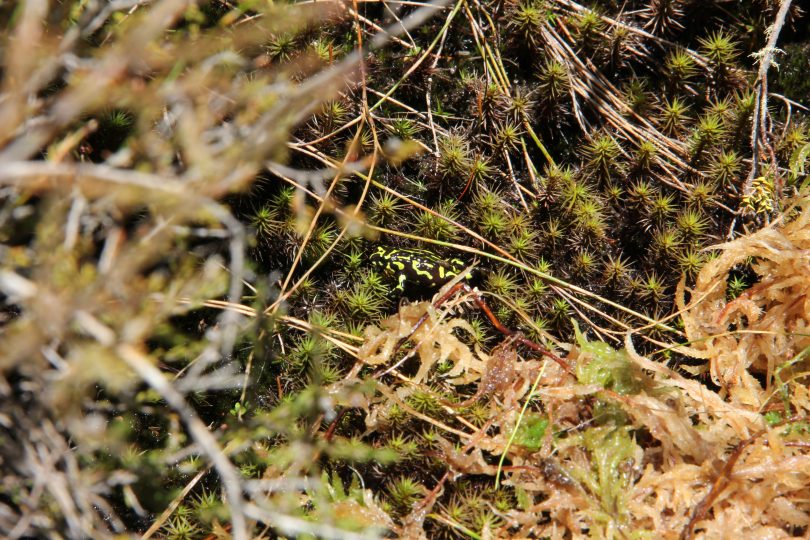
(416, 270)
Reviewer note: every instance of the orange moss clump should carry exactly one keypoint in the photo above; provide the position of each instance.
(756, 342)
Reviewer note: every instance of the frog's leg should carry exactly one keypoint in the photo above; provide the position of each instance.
(401, 282)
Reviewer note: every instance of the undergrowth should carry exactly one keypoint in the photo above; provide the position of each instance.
(197, 344)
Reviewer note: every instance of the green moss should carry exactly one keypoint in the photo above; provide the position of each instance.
(480, 169)
(692, 224)
(433, 226)
(589, 27)
(538, 328)
(537, 288)
(457, 511)
(360, 301)
(601, 154)
(486, 201)
(321, 239)
(477, 414)
(281, 47)
(354, 260)
(332, 116)
(507, 136)
(653, 288)
(691, 261)
(794, 141)
(574, 193)
(520, 104)
(180, 527)
(674, 115)
(404, 128)
(403, 492)
(720, 48)
(531, 432)
(374, 282)
(423, 401)
(613, 454)
(709, 131)
(308, 349)
(493, 223)
(616, 270)
(553, 81)
(305, 289)
(661, 207)
(599, 363)
(637, 96)
(454, 156)
(553, 233)
(479, 332)
(519, 223)
(560, 310)
(645, 155)
(584, 264)
(486, 520)
(726, 167)
(587, 210)
(680, 67)
(614, 193)
(736, 286)
(523, 245)
(501, 282)
(526, 20)
(642, 193)
(702, 194)
(543, 266)
(384, 208)
(208, 507)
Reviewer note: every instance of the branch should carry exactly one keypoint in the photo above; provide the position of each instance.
(231, 482)
(759, 128)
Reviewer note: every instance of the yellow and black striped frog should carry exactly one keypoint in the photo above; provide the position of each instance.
(416, 270)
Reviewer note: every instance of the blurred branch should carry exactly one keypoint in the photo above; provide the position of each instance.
(297, 526)
(110, 230)
(231, 481)
(96, 180)
(759, 123)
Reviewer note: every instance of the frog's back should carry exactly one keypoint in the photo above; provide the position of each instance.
(416, 270)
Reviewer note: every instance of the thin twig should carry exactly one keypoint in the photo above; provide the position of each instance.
(430, 89)
(759, 123)
(158, 523)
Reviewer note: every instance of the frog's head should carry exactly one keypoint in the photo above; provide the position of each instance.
(380, 258)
